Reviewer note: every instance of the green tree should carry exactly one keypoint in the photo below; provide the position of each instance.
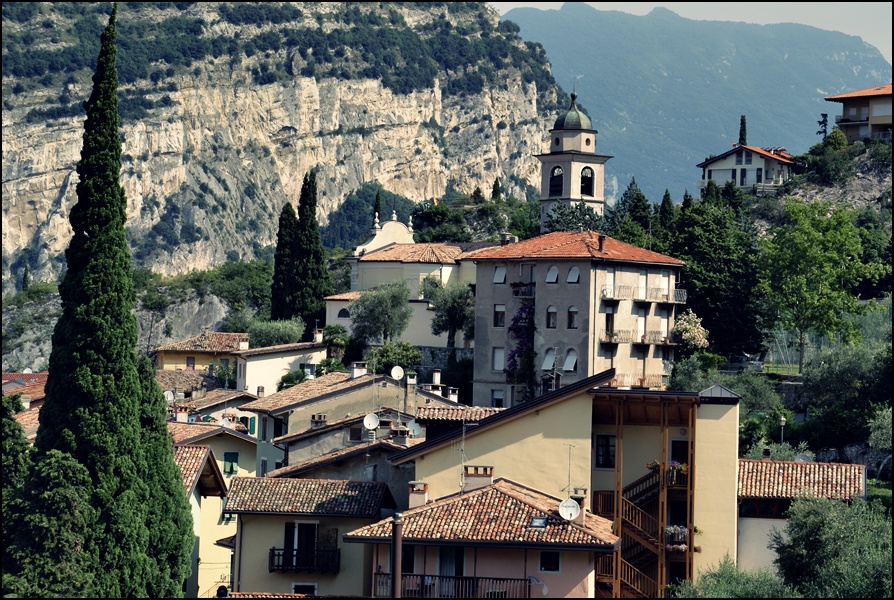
(16, 464)
(783, 451)
(273, 333)
(91, 413)
(454, 310)
(382, 314)
(810, 263)
(879, 430)
(291, 379)
(743, 132)
(336, 339)
(311, 267)
(169, 513)
(495, 193)
(283, 300)
(632, 205)
(568, 217)
(390, 354)
(727, 581)
(26, 279)
(835, 549)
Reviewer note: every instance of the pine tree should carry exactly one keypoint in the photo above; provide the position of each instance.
(89, 434)
(282, 294)
(169, 512)
(16, 463)
(743, 136)
(312, 278)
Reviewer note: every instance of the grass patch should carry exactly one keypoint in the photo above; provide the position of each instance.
(879, 490)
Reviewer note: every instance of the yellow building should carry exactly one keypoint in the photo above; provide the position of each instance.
(201, 352)
(865, 113)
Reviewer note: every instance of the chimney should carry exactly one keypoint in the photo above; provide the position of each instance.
(260, 391)
(766, 455)
(580, 496)
(318, 336)
(436, 377)
(411, 381)
(477, 477)
(418, 493)
(178, 393)
(243, 344)
(26, 401)
(504, 239)
(182, 413)
(601, 242)
(358, 369)
(453, 394)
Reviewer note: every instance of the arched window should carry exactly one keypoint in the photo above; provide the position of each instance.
(586, 182)
(552, 317)
(570, 362)
(573, 275)
(549, 360)
(556, 181)
(552, 274)
(344, 314)
(572, 317)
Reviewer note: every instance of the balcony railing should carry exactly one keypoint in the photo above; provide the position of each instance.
(851, 119)
(617, 292)
(440, 586)
(617, 336)
(523, 290)
(653, 381)
(287, 560)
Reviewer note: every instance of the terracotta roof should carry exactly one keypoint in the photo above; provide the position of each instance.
(501, 514)
(207, 341)
(188, 432)
(334, 456)
(573, 244)
(310, 388)
(329, 426)
(780, 155)
(269, 595)
(35, 391)
(344, 296)
(788, 479)
(191, 460)
(311, 497)
(26, 377)
(279, 348)
(227, 542)
(460, 412)
(30, 421)
(169, 379)
(219, 396)
(879, 90)
(442, 253)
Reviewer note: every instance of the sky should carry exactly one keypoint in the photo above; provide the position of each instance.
(870, 21)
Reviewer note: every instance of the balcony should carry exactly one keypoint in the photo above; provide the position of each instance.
(617, 292)
(287, 560)
(626, 380)
(617, 336)
(523, 290)
(439, 586)
(852, 119)
(664, 295)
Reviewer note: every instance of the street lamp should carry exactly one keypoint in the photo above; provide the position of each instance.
(781, 429)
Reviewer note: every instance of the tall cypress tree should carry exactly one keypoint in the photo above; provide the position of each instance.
(312, 279)
(282, 290)
(743, 132)
(90, 420)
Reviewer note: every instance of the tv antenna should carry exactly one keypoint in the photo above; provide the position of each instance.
(568, 487)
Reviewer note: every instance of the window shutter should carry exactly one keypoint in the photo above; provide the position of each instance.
(251, 425)
(288, 545)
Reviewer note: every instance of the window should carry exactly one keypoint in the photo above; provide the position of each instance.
(552, 274)
(759, 176)
(552, 317)
(738, 158)
(556, 181)
(748, 157)
(570, 362)
(496, 398)
(231, 463)
(550, 561)
(225, 517)
(742, 176)
(304, 588)
(733, 175)
(605, 452)
(586, 179)
(573, 275)
(355, 434)
(239, 374)
(499, 315)
(190, 363)
(572, 317)
(263, 468)
(710, 174)
(497, 356)
(408, 560)
(263, 431)
(550, 359)
(344, 314)
(500, 274)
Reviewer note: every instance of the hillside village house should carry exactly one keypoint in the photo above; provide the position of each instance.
(201, 352)
(749, 167)
(202, 479)
(865, 113)
(259, 370)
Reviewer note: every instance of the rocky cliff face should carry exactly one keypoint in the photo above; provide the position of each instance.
(208, 170)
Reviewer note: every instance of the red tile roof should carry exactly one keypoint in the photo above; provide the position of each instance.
(219, 396)
(460, 412)
(344, 296)
(780, 155)
(182, 432)
(330, 425)
(207, 341)
(26, 377)
(35, 391)
(500, 513)
(438, 253)
(310, 497)
(788, 479)
(879, 90)
(191, 460)
(574, 245)
(279, 348)
(169, 379)
(335, 456)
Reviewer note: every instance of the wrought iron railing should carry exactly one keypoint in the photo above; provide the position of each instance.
(287, 560)
(441, 586)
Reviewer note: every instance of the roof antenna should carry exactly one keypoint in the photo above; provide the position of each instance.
(568, 487)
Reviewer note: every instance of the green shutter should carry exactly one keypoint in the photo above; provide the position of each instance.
(251, 425)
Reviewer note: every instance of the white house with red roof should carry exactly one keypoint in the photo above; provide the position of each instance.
(749, 167)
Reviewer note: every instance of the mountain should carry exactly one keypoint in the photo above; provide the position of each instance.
(666, 92)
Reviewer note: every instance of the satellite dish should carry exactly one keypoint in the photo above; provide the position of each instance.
(371, 421)
(569, 509)
(169, 396)
(803, 458)
(28, 370)
(415, 428)
(397, 372)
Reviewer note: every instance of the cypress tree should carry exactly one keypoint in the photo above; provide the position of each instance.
(282, 291)
(743, 136)
(90, 419)
(312, 279)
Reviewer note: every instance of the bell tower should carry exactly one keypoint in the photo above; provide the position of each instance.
(571, 172)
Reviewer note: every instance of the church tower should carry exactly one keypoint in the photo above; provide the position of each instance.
(572, 172)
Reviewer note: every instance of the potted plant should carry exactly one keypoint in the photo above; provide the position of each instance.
(653, 465)
(677, 468)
